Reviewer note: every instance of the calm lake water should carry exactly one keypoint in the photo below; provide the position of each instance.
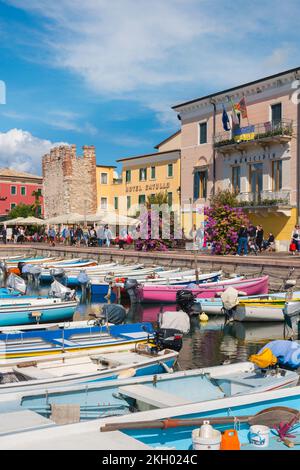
(207, 344)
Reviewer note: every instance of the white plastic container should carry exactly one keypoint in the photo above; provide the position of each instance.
(259, 435)
(206, 438)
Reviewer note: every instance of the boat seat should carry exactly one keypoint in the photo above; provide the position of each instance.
(152, 396)
(33, 373)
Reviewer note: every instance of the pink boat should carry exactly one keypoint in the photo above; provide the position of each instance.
(167, 293)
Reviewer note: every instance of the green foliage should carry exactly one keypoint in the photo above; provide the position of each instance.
(224, 197)
(158, 199)
(21, 210)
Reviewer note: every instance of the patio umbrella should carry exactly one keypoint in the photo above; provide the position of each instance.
(31, 221)
(16, 221)
(112, 218)
(71, 218)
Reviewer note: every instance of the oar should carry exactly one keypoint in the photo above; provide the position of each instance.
(269, 417)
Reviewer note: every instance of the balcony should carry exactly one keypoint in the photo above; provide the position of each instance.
(266, 200)
(263, 134)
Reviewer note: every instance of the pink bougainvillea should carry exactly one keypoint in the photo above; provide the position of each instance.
(222, 225)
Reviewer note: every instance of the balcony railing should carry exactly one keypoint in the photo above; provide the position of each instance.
(264, 199)
(266, 131)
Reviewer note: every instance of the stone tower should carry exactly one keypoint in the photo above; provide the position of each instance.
(70, 181)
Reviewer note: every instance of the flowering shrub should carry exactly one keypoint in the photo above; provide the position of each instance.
(145, 242)
(222, 225)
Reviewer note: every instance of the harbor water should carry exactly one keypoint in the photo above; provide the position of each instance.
(207, 344)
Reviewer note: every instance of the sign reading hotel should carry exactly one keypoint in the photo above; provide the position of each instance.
(148, 187)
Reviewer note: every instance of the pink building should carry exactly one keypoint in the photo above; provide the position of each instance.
(259, 159)
(17, 187)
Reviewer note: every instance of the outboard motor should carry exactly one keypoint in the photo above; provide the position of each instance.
(130, 286)
(57, 273)
(84, 282)
(114, 313)
(21, 264)
(172, 327)
(60, 291)
(3, 270)
(16, 283)
(185, 299)
(34, 273)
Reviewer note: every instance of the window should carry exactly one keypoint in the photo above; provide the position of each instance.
(200, 184)
(39, 191)
(203, 133)
(128, 176)
(23, 191)
(256, 179)
(12, 205)
(143, 174)
(116, 203)
(236, 179)
(153, 172)
(128, 202)
(142, 199)
(277, 175)
(103, 178)
(13, 190)
(170, 199)
(276, 110)
(170, 170)
(103, 203)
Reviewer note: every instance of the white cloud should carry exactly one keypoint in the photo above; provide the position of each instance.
(162, 52)
(22, 151)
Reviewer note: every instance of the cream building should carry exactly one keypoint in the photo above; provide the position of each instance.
(262, 164)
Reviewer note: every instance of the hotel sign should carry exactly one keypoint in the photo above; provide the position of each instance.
(148, 187)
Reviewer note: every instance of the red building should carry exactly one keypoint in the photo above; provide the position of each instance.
(17, 187)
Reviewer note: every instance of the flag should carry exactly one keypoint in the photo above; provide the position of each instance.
(234, 116)
(225, 120)
(244, 133)
(241, 106)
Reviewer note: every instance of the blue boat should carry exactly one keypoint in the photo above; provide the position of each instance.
(139, 393)
(40, 433)
(8, 293)
(69, 339)
(180, 438)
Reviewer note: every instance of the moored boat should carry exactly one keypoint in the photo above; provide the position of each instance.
(58, 340)
(82, 368)
(166, 293)
(136, 394)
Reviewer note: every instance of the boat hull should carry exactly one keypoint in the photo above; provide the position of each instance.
(164, 293)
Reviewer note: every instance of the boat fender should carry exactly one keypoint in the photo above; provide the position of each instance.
(203, 317)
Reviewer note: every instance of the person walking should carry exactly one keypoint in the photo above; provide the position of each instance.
(259, 238)
(296, 238)
(242, 240)
(107, 235)
(100, 235)
(78, 235)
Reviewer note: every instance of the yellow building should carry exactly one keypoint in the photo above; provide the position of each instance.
(141, 176)
(108, 186)
(149, 174)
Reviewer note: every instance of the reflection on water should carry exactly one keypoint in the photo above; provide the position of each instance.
(207, 344)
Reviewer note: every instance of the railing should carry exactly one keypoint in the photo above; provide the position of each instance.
(264, 198)
(254, 132)
(117, 181)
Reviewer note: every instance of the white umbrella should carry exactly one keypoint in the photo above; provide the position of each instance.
(71, 218)
(31, 221)
(16, 221)
(112, 218)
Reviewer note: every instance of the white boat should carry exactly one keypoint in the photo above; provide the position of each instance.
(160, 396)
(265, 312)
(75, 368)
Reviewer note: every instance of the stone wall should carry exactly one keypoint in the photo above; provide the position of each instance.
(70, 181)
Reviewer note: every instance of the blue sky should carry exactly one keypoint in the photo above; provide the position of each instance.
(107, 73)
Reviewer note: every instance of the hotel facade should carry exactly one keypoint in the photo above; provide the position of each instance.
(261, 162)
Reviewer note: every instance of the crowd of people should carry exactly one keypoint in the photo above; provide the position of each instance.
(251, 239)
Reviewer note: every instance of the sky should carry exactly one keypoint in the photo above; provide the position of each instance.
(106, 73)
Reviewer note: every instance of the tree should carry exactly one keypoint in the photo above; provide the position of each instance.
(222, 225)
(36, 204)
(21, 210)
(224, 197)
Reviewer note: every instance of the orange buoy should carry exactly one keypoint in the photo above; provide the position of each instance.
(230, 440)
